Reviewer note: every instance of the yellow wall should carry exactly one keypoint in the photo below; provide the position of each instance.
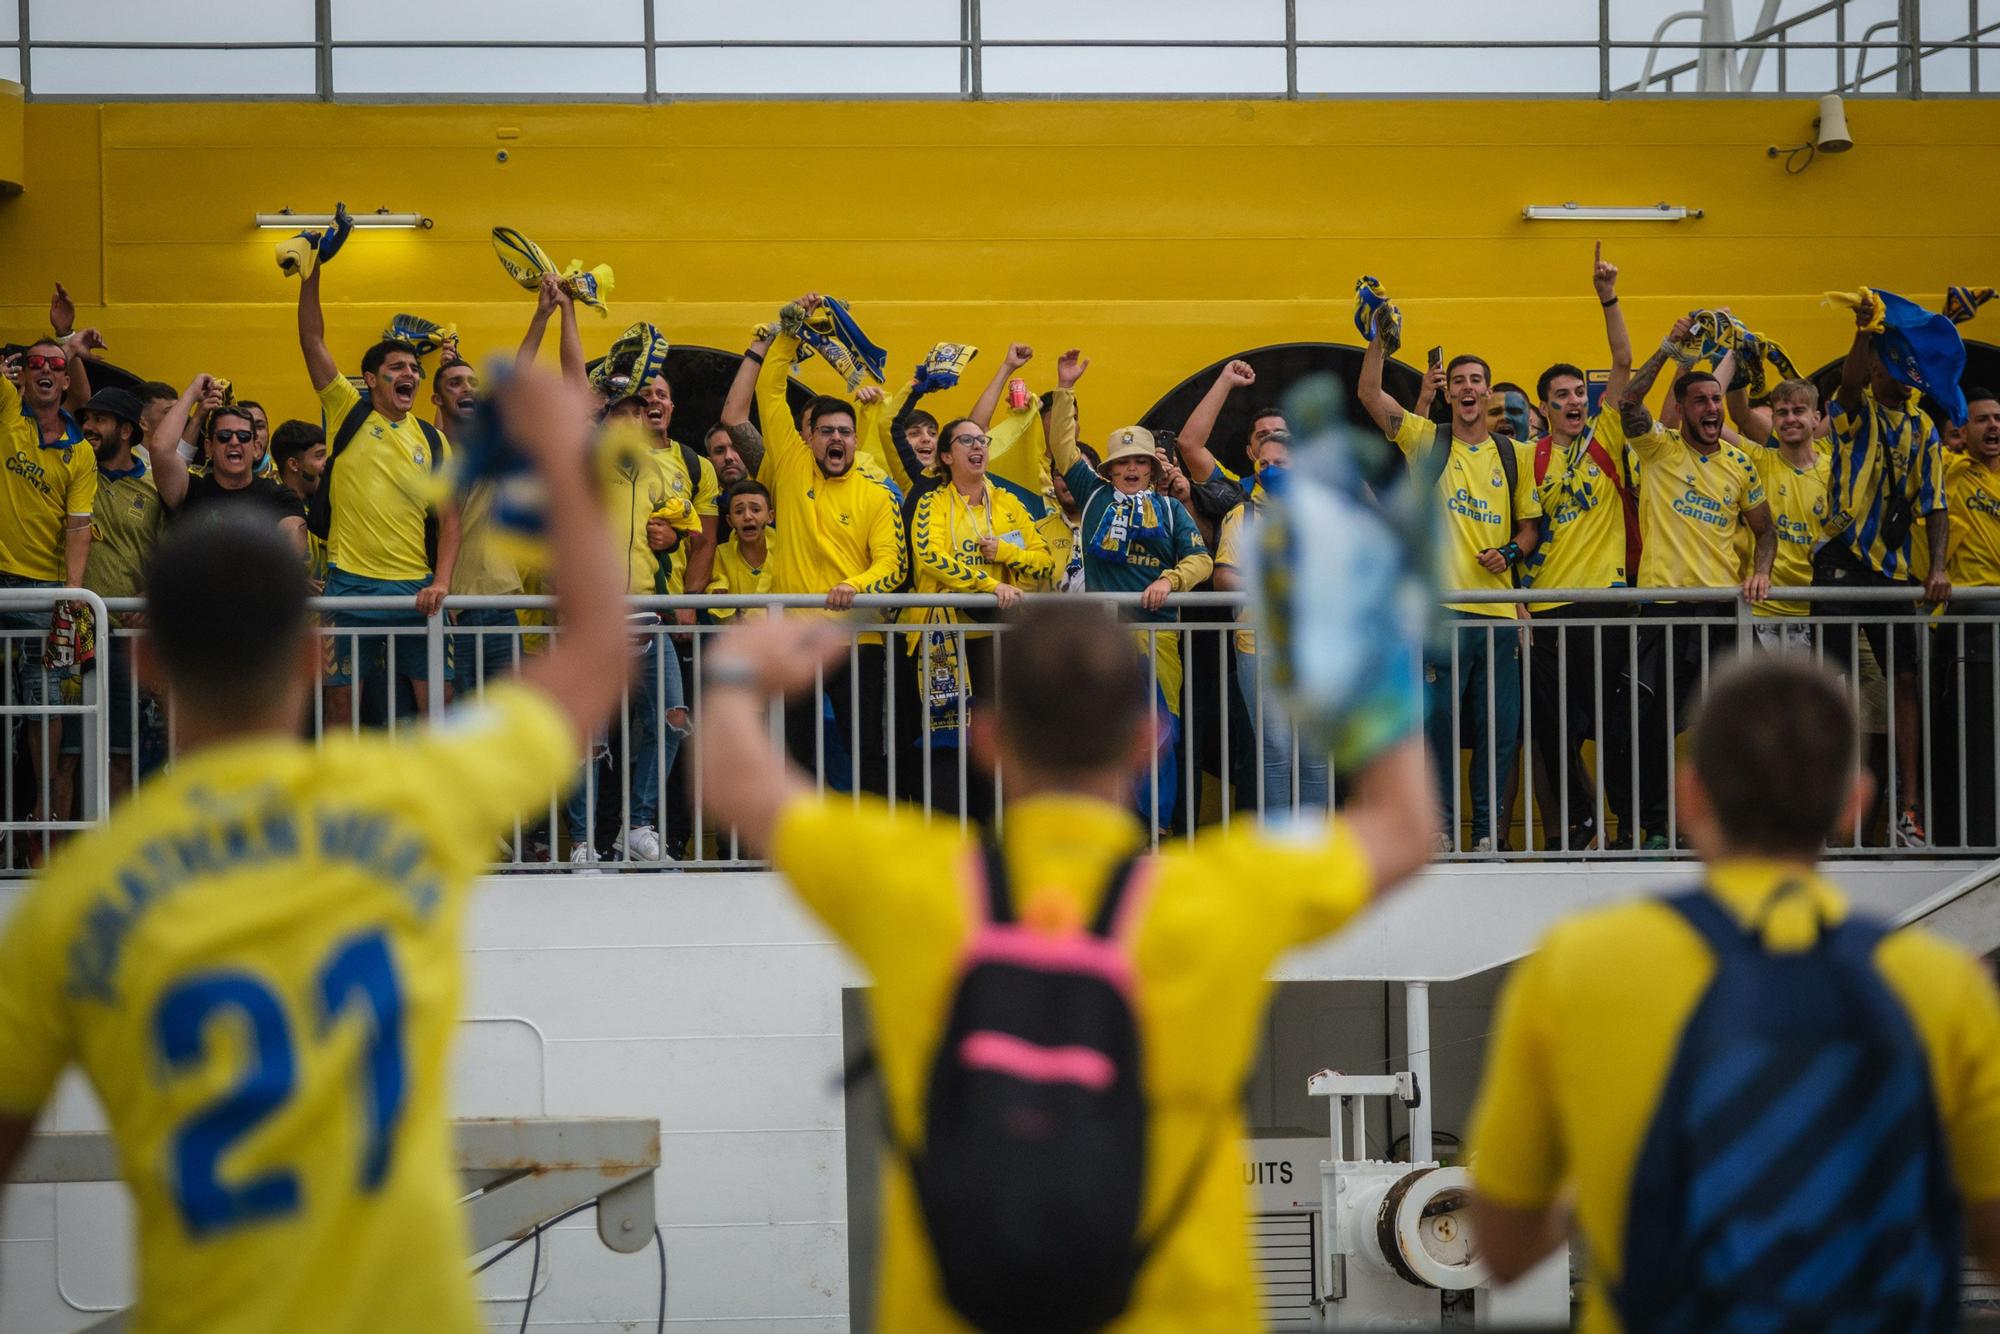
(1157, 236)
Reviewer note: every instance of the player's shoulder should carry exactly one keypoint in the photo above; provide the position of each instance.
(1929, 971)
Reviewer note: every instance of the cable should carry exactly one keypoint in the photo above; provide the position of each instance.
(660, 1240)
(571, 1213)
(534, 1270)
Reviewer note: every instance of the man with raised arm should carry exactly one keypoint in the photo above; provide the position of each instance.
(257, 961)
(1694, 491)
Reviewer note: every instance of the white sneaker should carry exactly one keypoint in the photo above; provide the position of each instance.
(1442, 844)
(583, 856)
(1910, 830)
(642, 844)
(1483, 845)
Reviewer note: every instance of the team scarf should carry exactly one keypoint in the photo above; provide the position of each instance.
(1920, 349)
(1372, 307)
(1129, 522)
(299, 255)
(942, 366)
(420, 335)
(526, 262)
(1962, 303)
(830, 331)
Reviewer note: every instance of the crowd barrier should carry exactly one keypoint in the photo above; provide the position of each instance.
(1591, 698)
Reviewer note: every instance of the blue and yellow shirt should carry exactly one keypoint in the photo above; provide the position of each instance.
(43, 486)
(1870, 447)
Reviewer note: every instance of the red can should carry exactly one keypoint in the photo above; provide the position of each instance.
(1018, 396)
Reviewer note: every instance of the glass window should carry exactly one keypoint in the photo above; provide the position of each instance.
(447, 71)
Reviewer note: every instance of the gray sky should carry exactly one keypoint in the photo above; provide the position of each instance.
(1205, 69)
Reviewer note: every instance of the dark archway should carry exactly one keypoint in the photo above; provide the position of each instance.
(1278, 367)
(1982, 370)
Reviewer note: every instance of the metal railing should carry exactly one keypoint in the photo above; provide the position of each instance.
(1717, 62)
(1557, 733)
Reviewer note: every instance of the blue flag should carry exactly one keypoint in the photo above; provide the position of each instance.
(1923, 350)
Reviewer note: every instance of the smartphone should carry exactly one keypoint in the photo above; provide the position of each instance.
(1436, 357)
(1169, 440)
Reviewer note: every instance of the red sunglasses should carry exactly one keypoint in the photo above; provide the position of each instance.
(35, 363)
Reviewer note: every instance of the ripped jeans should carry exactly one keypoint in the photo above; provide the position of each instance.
(649, 750)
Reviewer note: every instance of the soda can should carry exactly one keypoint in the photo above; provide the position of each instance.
(1017, 394)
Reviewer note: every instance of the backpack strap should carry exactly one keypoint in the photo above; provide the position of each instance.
(1124, 894)
(993, 897)
(1544, 446)
(319, 515)
(1720, 929)
(438, 446)
(1510, 468)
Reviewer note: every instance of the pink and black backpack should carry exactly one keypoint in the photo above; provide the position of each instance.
(1032, 1172)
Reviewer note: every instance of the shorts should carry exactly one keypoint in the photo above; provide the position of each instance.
(411, 659)
(1784, 635)
(22, 651)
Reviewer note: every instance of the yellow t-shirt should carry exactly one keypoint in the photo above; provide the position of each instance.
(127, 521)
(1690, 504)
(483, 569)
(1229, 555)
(382, 491)
(735, 574)
(257, 963)
(845, 529)
(1220, 913)
(1584, 546)
(1973, 495)
(1473, 491)
(1797, 497)
(1590, 1024)
(700, 493)
(40, 487)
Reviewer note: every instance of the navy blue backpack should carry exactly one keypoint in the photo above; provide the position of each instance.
(1795, 1176)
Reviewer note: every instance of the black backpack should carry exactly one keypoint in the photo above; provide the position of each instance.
(1032, 1172)
(319, 514)
(1431, 469)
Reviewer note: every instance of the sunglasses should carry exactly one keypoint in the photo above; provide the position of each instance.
(45, 363)
(239, 437)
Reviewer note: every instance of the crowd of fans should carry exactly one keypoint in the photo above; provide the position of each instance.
(1723, 482)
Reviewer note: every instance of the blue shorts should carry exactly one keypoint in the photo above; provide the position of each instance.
(405, 628)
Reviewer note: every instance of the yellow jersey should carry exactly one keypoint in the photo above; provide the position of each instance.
(41, 487)
(945, 532)
(735, 574)
(257, 964)
(701, 493)
(1583, 545)
(483, 568)
(1797, 497)
(1221, 912)
(1229, 555)
(838, 530)
(1973, 495)
(634, 492)
(1872, 446)
(1590, 1023)
(383, 491)
(1690, 504)
(126, 522)
(1473, 490)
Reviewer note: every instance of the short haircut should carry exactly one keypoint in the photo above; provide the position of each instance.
(248, 403)
(920, 418)
(1976, 394)
(1796, 391)
(826, 405)
(451, 364)
(34, 343)
(1258, 414)
(1554, 373)
(153, 390)
(1090, 456)
(1073, 694)
(1467, 359)
(226, 607)
(749, 486)
(1687, 380)
(713, 427)
(1775, 744)
(372, 359)
(290, 439)
(226, 410)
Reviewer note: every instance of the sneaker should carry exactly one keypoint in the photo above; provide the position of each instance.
(1482, 845)
(1910, 830)
(1441, 845)
(1654, 843)
(641, 844)
(583, 855)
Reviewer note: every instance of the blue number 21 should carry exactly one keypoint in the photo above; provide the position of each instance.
(361, 965)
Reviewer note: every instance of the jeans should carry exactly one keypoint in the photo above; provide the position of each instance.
(482, 657)
(32, 683)
(1674, 663)
(1276, 760)
(1570, 667)
(1488, 654)
(649, 752)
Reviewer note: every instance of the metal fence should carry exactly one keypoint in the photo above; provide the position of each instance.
(1559, 731)
(976, 49)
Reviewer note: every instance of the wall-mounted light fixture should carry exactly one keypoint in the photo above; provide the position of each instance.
(1829, 136)
(1575, 212)
(287, 220)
